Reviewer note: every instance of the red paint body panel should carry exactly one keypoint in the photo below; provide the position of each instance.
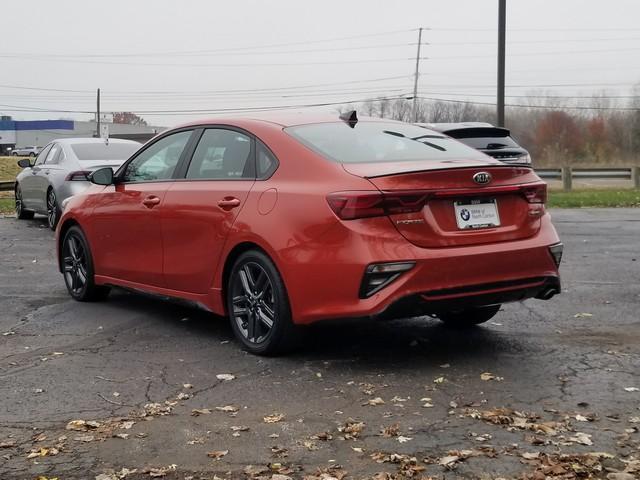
(179, 247)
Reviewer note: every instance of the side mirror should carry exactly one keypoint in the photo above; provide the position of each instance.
(24, 163)
(102, 176)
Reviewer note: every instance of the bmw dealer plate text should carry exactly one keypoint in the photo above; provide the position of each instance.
(477, 214)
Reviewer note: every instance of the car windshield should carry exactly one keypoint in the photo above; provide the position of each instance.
(104, 151)
(379, 142)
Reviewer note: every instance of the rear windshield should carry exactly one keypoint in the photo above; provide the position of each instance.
(379, 142)
(104, 151)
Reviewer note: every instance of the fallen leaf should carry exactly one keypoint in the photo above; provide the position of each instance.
(581, 438)
(84, 438)
(239, 428)
(183, 396)
(228, 408)
(583, 315)
(530, 455)
(273, 418)
(374, 401)
(200, 411)
(486, 376)
(439, 380)
(448, 461)
(631, 389)
(402, 439)
(217, 454)
(187, 385)
(225, 376)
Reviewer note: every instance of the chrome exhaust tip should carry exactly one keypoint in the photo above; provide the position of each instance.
(547, 294)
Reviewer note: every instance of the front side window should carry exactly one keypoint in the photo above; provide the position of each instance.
(52, 157)
(159, 161)
(221, 155)
(380, 142)
(42, 155)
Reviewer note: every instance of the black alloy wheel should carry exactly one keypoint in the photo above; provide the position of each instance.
(77, 267)
(258, 306)
(53, 212)
(21, 213)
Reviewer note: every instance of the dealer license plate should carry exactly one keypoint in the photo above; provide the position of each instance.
(477, 214)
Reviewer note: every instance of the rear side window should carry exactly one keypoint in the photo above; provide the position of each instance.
(379, 142)
(52, 157)
(221, 155)
(267, 163)
(104, 151)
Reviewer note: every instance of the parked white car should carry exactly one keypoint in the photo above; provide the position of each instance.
(26, 151)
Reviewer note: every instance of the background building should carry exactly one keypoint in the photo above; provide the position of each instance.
(16, 133)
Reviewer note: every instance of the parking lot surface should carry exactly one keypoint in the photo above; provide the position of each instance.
(98, 390)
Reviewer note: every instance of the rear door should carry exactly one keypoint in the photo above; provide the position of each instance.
(200, 208)
(125, 222)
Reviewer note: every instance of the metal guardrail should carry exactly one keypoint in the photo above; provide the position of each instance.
(566, 174)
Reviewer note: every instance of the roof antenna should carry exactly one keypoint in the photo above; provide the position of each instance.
(350, 118)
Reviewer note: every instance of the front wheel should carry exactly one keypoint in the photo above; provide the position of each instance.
(469, 317)
(77, 267)
(258, 306)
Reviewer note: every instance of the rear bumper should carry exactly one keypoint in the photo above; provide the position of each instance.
(442, 278)
(439, 301)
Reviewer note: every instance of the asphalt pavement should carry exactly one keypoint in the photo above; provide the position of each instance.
(140, 387)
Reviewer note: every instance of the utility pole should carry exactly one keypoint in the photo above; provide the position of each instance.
(98, 114)
(502, 21)
(415, 80)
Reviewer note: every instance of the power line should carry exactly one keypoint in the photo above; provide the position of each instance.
(234, 49)
(242, 90)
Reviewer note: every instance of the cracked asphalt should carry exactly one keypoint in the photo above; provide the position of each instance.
(571, 363)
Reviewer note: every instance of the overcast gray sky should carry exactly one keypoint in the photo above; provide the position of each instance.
(162, 55)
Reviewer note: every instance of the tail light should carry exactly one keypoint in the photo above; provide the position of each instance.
(352, 205)
(78, 175)
(536, 193)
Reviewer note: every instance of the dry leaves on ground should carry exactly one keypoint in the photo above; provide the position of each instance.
(273, 418)
(351, 429)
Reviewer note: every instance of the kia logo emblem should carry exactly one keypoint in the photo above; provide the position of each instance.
(482, 178)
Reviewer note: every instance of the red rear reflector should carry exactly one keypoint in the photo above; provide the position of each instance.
(78, 175)
(352, 205)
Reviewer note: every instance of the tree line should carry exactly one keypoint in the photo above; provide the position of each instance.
(601, 129)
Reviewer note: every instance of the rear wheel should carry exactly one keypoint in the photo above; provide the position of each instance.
(258, 306)
(77, 268)
(15, 154)
(21, 213)
(469, 317)
(53, 212)
(32, 154)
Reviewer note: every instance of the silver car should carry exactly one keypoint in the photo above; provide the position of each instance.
(61, 170)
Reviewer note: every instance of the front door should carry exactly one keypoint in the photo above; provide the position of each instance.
(126, 217)
(200, 209)
(31, 198)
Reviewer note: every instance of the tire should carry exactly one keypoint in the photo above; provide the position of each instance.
(77, 264)
(21, 213)
(32, 154)
(53, 210)
(469, 317)
(256, 296)
(15, 154)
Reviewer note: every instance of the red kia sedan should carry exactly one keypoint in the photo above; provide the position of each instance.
(284, 222)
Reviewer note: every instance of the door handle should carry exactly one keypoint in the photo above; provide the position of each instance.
(151, 201)
(228, 203)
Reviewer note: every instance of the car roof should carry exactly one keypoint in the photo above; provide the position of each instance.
(75, 141)
(284, 119)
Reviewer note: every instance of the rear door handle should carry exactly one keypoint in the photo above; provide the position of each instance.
(228, 203)
(151, 201)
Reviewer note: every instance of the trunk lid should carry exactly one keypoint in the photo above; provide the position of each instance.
(459, 211)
